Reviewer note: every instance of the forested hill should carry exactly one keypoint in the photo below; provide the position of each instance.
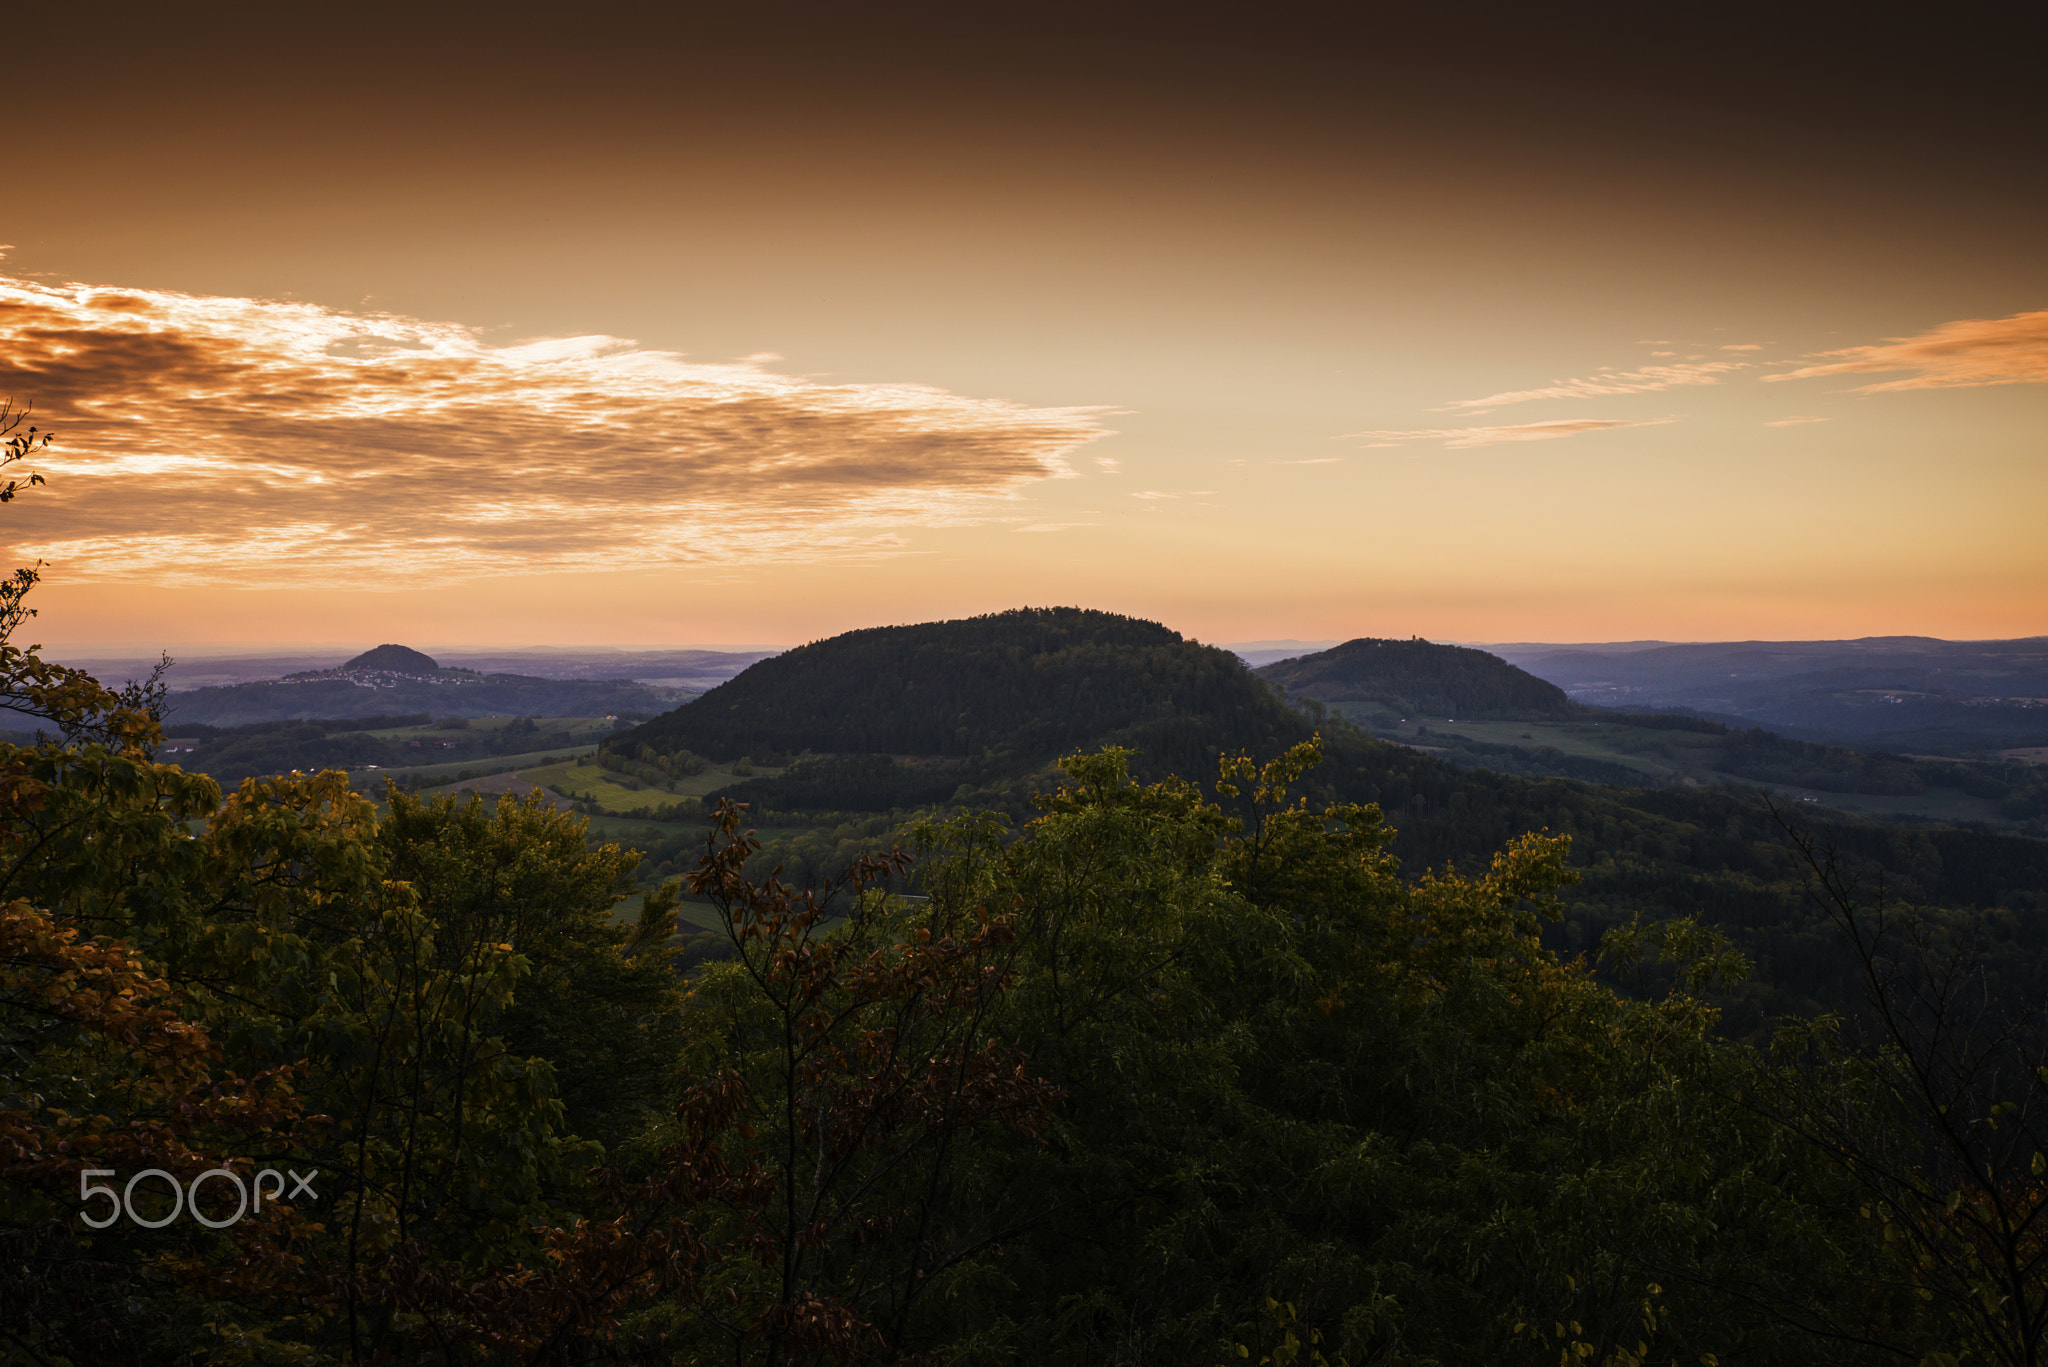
(1419, 678)
(1007, 689)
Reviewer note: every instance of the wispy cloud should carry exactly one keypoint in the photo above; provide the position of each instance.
(1970, 351)
(1319, 460)
(1055, 526)
(1109, 465)
(1799, 420)
(242, 441)
(1161, 493)
(1463, 438)
(1648, 380)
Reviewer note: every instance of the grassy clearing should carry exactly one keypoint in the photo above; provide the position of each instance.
(573, 768)
(583, 778)
(628, 831)
(583, 735)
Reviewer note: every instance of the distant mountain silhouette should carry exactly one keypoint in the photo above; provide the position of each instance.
(1419, 678)
(394, 660)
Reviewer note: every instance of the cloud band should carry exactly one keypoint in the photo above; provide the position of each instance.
(250, 442)
(1968, 352)
(1464, 438)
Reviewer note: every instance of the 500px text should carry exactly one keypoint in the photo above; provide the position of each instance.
(124, 1199)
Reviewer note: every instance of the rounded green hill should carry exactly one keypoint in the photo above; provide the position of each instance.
(1008, 690)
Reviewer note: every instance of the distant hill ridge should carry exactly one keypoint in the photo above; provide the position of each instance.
(991, 696)
(1419, 678)
(398, 679)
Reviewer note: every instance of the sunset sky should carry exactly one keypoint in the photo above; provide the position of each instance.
(600, 324)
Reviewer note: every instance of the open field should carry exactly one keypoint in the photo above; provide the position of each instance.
(432, 775)
(583, 777)
(581, 733)
(574, 768)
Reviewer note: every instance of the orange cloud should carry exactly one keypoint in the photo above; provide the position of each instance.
(1650, 379)
(249, 442)
(1972, 351)
(1462, 438)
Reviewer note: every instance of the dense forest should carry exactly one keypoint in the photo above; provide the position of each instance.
(1181, 1057)
(1150, 1081)
(1420, 678)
